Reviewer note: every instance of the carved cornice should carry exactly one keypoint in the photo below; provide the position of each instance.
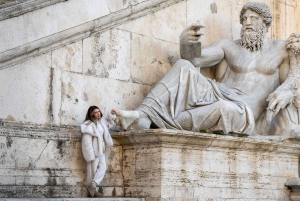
(294, 185)
(82, 31)
(38, 131)
(19, 7)
(150, 136)
(165, 137)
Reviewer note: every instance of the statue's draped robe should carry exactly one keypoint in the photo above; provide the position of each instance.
(184, 88)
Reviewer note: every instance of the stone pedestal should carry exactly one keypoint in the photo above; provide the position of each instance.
(179, 165)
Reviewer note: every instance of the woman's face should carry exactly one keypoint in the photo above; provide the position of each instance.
(96, 114)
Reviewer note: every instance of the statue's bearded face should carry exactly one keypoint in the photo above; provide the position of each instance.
(253, 31)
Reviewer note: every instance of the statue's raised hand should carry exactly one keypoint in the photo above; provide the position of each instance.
(191, 34)
(190, 45)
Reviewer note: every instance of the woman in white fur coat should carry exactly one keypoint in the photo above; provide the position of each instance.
(95, 138)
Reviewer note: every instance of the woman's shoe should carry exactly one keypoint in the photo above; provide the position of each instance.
(88, 193)
(98, 195)
(91, 191)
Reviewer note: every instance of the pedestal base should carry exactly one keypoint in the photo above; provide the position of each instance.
(180, 165)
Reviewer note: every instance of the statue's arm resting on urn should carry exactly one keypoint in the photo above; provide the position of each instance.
(190, 48)
(289, 77)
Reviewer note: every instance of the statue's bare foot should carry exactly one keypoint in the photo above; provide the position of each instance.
(131, 120)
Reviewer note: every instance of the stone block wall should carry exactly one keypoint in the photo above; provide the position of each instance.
(46, 161)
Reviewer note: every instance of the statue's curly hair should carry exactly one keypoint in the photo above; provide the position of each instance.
(260, 8)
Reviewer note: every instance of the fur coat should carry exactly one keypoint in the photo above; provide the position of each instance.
(94, 139)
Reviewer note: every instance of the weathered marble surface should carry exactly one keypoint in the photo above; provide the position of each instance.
(61, 34)
(13, 8)
(79, 93)
(59, 17)
(41, 161)
(180, 165)
(25, 90)
(107, 54)
(68, 58)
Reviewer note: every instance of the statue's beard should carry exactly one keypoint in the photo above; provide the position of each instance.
(253, 39)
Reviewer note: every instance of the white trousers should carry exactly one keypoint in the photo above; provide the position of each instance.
(96, 170)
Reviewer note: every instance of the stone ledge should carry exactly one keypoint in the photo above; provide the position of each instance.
(72, 199)
(61, 192)
(33, 126)
(294, 185)
(37, 131)
(168, 136)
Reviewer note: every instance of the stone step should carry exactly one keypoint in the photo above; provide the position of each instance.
(72, 199)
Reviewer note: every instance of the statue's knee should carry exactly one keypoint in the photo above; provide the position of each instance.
(185, 120)
(227, 107)
(184, 63)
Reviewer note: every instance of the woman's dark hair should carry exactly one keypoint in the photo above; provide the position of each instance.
(89, 114)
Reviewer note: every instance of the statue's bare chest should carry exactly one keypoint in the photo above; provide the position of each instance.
(263, 62)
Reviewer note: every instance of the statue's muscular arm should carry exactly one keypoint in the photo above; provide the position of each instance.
(190, 48)
(284, 67)
(289, 77)
(210, 56)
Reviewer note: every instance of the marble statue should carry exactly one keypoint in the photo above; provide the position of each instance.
(255, 80)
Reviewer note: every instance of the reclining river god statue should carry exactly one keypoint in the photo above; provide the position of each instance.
(255, 79)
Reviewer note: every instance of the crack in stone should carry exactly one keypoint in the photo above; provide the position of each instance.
(38, 158)
(50, 110)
